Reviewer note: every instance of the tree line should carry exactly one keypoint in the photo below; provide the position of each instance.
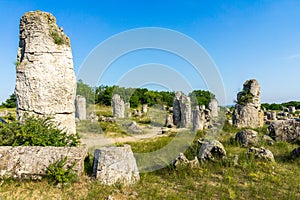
(137, 96)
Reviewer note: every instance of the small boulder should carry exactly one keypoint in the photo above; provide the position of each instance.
(267, 139)
(247, 137)
(210, 150)
(134, 128)
(285, 130)
(169, 121)
(296, 152)
(115, 165)
(181, 160)
(261, 153)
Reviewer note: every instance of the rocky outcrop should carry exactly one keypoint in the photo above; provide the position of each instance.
(198, 117)
(144, 108)
(118, 106)
(211, 150)
(261, 153)
(80, 105)
(134, 128)
(182, 112)
(181, 160)
(247, 112)
(45, 83)
(115, 165)
(176, 109)
(32, 161)
(169, 121)
(285, 130)
(213, 107)
(247, 137)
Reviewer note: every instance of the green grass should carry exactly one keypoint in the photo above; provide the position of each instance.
(58, 38)
(12, 116)
(250, 179)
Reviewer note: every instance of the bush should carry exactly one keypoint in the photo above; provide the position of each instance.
(35, 132)
(58, 172)
(58, 39)
(10, 102)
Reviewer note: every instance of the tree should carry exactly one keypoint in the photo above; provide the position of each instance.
(86, 91)
(201, 97)
(11, 102)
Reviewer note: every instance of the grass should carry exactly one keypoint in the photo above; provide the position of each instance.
(250, 179)
(58, 38)
(11, 116)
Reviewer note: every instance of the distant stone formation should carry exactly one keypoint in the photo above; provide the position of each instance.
(213, 107)
(45, 83)
(198, 116)
(145, 108)
(118, 106)
(247, 111)
(182, 112)
(80, 105)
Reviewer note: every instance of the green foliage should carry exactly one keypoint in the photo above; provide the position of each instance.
(17, 63)
(275, 106)
(35, 132)
(272, 106)
(245, 97)
(58, 38)
(58, 172)
(201, 97)
(291, 103)
(10, 102)
(85, 90)
(135, 96)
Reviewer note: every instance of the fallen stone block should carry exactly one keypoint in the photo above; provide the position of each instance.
(115, 165)
(32, 161)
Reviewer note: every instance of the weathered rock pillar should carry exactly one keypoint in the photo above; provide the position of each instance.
(80, 105)
(45, 83)
(247, 111)
(118, 106)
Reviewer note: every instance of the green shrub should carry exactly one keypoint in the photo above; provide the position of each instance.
(245, 97)
(58, 39)
(58, 172)
(35, 132)
(10, 102)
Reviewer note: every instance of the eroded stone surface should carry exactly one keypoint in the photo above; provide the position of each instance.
(45, 83)
(247, 112)
(115, 164)
(118, 106)
(80, 105)
(285, 130)
(247, 137)
(181, 160)
(211, 150)
(32, 161)
(261, 153)
(198, 117)
(182, 112)
(213, 107)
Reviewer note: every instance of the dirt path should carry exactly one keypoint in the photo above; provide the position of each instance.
(97, 140)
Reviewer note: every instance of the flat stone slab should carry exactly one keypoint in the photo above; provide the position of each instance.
(115, 165)
(32, 161)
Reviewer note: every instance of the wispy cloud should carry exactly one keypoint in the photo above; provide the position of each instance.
(291, 57)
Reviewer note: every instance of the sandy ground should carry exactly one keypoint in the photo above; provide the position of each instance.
(92, 140)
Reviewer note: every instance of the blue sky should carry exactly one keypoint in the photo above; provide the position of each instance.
(245, 39)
